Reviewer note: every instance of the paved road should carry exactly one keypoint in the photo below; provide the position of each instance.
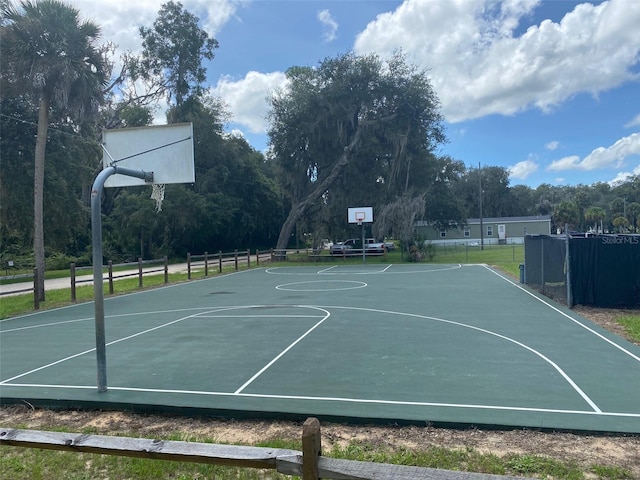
(65, 282)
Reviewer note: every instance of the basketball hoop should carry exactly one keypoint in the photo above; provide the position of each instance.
(359, 217)
(157, 195)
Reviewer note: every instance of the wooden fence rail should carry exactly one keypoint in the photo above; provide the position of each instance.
(207, 260)
(32, 289)
(140, 272)
(79, 275)
(308, 464)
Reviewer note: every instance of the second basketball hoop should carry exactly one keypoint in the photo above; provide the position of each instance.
(360, 215)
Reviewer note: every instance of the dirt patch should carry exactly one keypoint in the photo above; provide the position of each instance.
(583, 450)
(606, 318)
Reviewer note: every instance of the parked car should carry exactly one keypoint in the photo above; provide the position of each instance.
(353, 246)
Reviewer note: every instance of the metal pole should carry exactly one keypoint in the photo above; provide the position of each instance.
(96, 241)
(568, 266)
(481, 227)
(363, 250)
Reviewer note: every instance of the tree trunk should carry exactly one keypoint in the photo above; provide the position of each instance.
(38, 194)
(299, 209)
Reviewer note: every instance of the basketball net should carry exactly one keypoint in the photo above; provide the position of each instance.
(157, 195)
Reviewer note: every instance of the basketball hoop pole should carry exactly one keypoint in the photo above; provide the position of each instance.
(96, 240)
(363, 247)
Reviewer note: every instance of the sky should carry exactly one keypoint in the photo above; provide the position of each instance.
(548, 89)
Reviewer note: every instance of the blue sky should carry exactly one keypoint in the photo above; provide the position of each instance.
(549, 89)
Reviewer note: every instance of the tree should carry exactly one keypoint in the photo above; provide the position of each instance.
(621, 224)
(633, 214)
(49, 54)
(444, 208)
(353, 128)
(174, 49)
(594, 216)
(399, 217)
(581, 200)
(566, 213)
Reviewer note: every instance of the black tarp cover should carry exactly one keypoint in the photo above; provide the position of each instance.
(605, 270)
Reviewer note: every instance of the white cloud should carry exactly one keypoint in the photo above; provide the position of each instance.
(522, 170)
(330, 25)
(553, 145)
(624, 176)
(120, 21)
(566, 163)
(601, 157)
(634, 122)
(479, 66)
(246, 98)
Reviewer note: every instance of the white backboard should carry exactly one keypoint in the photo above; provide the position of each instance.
(165, 150)
(360, 215)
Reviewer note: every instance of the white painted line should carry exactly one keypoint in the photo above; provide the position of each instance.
(300, 271)
(52, 324)
(173, 285)
(469, 406)
(71, 357)
(281, 354)
(324, 270)
(258, 316)
(611, 342)
(353, 285)
(4, 382)
(489, 332)
(120, 315)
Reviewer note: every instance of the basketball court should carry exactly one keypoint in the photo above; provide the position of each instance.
(413, 343)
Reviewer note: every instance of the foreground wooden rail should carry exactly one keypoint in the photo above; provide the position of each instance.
(308, 464)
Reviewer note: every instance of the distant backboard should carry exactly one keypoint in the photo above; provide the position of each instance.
(360, 215)
(165, 150)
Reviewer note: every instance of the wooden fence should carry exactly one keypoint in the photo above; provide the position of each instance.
(32, 289)
(80, 275)
(308, 464)
(163, 266)
(221, 259)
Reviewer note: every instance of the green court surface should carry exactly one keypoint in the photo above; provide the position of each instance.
(426, 344)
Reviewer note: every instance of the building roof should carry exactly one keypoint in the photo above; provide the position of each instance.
(474, 221)
(537, 218)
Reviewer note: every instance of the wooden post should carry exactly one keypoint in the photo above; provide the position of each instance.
(219, 261)
(206, 264)
(73, 282)
(110, 264)
(166, 270)
(188, 266)
(36, 299)
(249, 258)
(140, 272)
(311, 448)
(257, 257)
(235, 256)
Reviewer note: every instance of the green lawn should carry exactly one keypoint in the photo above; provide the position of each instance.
(54, 465)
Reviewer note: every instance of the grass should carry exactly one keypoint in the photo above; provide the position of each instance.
(631, 324)
(46, 464)
(506, 257)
